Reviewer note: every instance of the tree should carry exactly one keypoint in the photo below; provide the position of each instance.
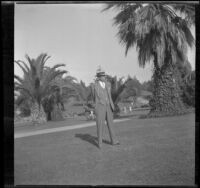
(148, 86)
(64, 82)
(66, 86)
(134, 83)
(35, 83)
(132, 88)
(83, 92)
(159, 35)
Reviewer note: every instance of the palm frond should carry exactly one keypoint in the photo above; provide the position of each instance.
(25, 67)
(170, 12)
(32, 66)
(58, 65)
(145, 48)
(188, 10)
(43, 60)
(19, 79)
(18, 88)
(127, 35)
(188, 35)
(126, 14)
(52, 74)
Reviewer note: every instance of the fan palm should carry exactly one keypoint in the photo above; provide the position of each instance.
(35, 83)
(159, 35)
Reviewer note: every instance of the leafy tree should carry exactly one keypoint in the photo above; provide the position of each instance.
(134, 83)
(35, 83)
(148, 86)
(159, 34)
(132, 88)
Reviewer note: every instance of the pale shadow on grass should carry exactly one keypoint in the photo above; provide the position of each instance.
(91, 139)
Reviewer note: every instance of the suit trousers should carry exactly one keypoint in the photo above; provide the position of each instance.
(104, 112)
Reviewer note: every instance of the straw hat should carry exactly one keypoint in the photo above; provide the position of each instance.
(100, 72)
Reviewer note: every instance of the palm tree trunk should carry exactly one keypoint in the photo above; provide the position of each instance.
(38, 115)
(166, 95)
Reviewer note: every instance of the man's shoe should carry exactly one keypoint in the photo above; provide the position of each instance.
(115, 143)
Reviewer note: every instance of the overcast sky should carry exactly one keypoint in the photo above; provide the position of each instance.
(78, 35)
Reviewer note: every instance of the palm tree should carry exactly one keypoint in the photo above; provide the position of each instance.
(64, 82)
(35, 83)
(159, 35)
(83, 92)
(133, 88)
(66, 86)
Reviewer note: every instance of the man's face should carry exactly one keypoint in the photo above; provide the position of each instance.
(102, 78)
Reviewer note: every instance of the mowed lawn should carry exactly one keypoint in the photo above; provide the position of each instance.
(157, 151)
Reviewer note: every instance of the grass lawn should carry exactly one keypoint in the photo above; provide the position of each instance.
(26, 126)
(49, 124)
(157, 151)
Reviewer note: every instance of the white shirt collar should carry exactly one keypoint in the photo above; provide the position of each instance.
(102, 84)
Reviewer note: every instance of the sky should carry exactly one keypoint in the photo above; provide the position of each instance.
(78, 35)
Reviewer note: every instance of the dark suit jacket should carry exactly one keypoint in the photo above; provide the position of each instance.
(97, 94)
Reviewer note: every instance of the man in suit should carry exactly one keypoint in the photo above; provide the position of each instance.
(104, 106)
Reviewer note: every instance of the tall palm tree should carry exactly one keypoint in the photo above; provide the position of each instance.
(35, 83)
(159, 35)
